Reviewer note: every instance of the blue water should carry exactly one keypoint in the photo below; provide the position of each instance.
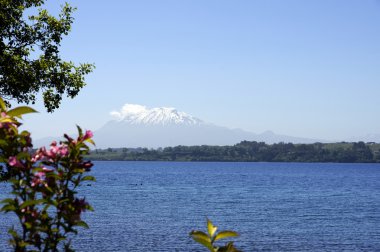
(152, 206)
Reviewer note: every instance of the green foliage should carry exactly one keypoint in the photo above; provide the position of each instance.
(29, 54)
(208, 240)
(251, 152)
(44, 185)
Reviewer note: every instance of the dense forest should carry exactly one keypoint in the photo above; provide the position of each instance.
(246, 151)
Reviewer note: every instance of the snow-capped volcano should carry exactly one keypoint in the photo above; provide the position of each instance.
(137, 114)
(138, 126)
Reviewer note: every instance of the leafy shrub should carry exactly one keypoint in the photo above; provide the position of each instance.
(44, 185)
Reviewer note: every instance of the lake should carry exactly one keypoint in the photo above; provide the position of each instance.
(152, 206)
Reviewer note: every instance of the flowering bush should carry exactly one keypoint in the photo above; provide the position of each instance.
(44, 184)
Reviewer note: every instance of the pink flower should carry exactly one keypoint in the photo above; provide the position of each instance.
(36, 157)
(53, 150)
(40, 177)
(39, 155)
(63, 151)
(14, 162)
(88, 135)
(52, 154)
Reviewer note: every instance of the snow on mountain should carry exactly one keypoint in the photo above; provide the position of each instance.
(137, 114)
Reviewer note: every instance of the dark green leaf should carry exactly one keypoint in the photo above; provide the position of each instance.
(82, 224)
(8, 208)
(88, 178)
(5, 201)
(31, 203)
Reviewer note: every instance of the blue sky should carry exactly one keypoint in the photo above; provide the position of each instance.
(301, 68)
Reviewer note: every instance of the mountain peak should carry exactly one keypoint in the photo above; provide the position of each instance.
(137, 114)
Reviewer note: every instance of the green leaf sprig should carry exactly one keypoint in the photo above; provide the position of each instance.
(208, 240)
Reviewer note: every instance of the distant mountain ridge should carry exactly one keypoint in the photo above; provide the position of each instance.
(139, 126)
(366, 138)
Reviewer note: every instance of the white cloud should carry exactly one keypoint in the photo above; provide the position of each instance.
(128, 110)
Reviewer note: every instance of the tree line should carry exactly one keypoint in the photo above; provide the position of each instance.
(250, 151)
